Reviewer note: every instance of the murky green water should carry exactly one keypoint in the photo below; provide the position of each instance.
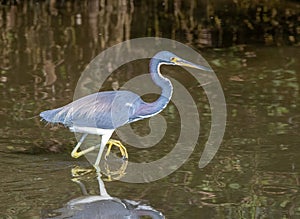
(255, 174)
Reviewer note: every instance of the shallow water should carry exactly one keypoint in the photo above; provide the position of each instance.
(255, 173)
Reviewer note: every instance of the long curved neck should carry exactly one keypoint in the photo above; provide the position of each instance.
(146, 110)
(164, 83)
(159, 80)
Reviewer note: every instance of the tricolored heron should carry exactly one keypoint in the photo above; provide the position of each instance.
(101, 113)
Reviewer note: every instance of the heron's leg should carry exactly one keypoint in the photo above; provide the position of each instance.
(118, 144)
(85, 151)
(75, 152)
(104, 140)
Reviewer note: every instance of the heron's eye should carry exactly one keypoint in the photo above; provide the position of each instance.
(173, 59)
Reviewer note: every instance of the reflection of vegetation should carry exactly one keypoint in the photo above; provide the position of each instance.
(53, 40)
(224, 23)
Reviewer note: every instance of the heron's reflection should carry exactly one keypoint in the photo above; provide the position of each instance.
(103, 205)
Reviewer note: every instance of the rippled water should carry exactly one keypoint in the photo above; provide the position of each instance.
(44, 48)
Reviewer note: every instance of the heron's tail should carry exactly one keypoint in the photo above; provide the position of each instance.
(53, 116)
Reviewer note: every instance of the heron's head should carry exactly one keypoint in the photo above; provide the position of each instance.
(169, 58)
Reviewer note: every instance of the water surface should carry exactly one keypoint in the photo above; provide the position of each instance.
(45, 46)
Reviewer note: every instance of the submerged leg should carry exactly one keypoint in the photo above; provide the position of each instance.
(102, 188)
(118, 144)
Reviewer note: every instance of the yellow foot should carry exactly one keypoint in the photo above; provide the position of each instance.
(76, 154)
(118, 144)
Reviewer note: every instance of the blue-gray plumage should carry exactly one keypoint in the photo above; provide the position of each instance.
(105, 110)
(101, 113)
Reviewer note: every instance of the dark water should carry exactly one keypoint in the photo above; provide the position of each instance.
(44, 47)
